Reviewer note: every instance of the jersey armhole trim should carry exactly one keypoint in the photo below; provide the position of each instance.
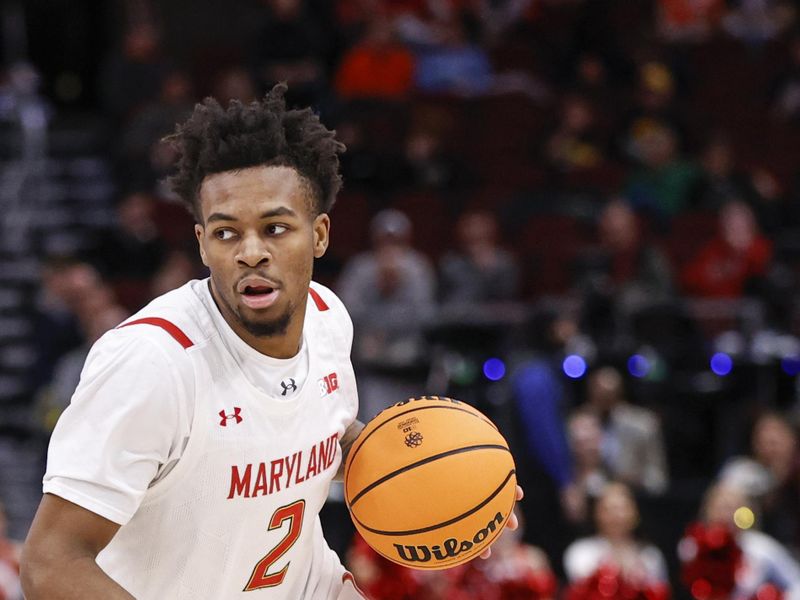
(318, 299)
(167, 326)
(348, 577)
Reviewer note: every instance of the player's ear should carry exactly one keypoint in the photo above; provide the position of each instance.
(198, 232)
(322, 228)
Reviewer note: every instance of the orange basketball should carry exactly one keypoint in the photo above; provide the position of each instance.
(430, 482)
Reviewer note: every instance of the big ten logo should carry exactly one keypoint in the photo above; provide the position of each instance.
(328, 384)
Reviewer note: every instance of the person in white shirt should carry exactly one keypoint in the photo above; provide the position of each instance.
(764, 559)
(200, 444)
(615, 544)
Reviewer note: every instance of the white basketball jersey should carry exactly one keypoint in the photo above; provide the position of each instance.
(237, 517)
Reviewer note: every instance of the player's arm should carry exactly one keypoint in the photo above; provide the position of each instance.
(126, 415)
(58, 559)
(350, 435)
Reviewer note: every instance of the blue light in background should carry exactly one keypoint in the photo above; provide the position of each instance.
(791, 365)
(638, 365)
(494, 369)
(574, 366)
(721, 364)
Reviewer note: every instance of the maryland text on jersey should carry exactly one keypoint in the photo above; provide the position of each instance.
(270, 477)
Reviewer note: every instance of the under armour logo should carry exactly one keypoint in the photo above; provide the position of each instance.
(287, 387)
(234, 415)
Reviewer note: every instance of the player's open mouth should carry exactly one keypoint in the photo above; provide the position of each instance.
(258, 295)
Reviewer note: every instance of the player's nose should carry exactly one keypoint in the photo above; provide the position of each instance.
(253, 251)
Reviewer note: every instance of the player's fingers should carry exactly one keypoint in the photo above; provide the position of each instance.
(513, 522)
(486, 553)
(520, 494)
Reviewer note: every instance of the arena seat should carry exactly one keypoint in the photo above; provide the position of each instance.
(689, 232)
(548, 244)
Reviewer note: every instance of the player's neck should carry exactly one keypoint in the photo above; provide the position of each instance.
(280, 345)
(285, 345)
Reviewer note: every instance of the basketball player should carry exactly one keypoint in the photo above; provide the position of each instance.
(202, 439)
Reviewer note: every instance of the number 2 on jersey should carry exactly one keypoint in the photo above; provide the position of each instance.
(260, 578)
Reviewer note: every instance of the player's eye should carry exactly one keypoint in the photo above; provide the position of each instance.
(276, 229)
(223, 234)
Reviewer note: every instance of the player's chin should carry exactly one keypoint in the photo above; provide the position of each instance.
(265, 322)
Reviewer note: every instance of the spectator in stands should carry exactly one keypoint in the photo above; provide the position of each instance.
(538, 405)
(625, 267)
(426, 162)
(654, 102)
(689, 21)
(65, 282)
(633, 447)
(291, 46)
(145, 156)
(615, 545)
(422, 22)
(390, 293)
(377, 67)
(100, 314)
(721, 179)
(363, 165)
(734, 263)
(786, 86)
(770, 475)
(763, 560)
(590, 475)
(480, 271)
(132, 74)
(499, 17)
(179, 266)
(456, 64)
(592, 79)
(575, 145)
(10, 588)
(662, 183)
(131, 253)
(758, 21)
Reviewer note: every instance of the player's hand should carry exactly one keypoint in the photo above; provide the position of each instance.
(511, 523)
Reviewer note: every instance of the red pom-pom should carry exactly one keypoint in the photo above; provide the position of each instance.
(608, 583)
(768, 592)
(711, 557)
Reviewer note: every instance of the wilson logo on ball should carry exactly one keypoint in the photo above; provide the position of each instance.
(414, 439)
(450, 548)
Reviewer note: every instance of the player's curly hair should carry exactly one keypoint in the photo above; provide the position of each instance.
(216, 139)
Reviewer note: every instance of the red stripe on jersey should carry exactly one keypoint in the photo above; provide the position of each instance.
(317, 299)
(167, 326)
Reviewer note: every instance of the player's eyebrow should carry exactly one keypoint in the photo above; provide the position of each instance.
(219, 217)
(281, 211)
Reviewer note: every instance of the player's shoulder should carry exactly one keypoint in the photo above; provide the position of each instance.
(325, 300)
(167, 326)
(326, 308)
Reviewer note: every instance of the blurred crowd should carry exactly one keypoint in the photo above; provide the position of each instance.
(580, 216)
